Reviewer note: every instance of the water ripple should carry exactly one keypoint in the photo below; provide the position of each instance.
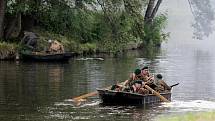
(193, 105)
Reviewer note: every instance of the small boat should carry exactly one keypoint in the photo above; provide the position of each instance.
(40, 56)
(111, 97)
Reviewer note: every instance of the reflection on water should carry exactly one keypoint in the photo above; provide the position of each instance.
(43, 91)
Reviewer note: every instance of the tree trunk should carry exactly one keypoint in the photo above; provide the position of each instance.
(10, 27)
(19, 24)
(155, 9)
(2, 15)
(149, 10)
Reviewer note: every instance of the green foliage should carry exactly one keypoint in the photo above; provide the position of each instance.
(88, 48)
(114, 37)
(111, 24)
(154, 34)
(22, 6)
(71, 22)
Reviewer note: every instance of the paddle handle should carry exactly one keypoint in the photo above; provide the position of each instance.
(157, 94)
(90, 94)
(85, 96)
(174, 85)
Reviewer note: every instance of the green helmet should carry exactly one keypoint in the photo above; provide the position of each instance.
(137, 71)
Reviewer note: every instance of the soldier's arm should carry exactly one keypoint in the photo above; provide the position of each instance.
(129, 80)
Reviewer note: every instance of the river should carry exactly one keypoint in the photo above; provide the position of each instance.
(43, 91)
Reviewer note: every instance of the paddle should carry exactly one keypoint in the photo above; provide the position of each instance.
(79, 98)
(85, 96)
(174, 85)
(156, 93)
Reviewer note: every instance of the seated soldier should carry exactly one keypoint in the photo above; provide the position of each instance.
(55, 47)
(138, 87)
(147, 78)
(161, 85)
(135, 83)
(134, 76)
(116, 87)
(30, 40)
(128, 83)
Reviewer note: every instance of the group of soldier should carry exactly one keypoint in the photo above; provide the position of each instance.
(141, 77)
(30, 41)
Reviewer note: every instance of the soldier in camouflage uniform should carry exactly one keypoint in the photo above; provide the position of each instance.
(55, 47)
(161, 85)
(30, 40)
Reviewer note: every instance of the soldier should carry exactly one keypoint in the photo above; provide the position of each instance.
(55, 47)
(30, 40)
(127, 85)
(147, 78)
(136, 75)
(161, 85)
(135, 83)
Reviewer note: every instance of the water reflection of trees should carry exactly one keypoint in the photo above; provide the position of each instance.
(30, 83)
(204, 16)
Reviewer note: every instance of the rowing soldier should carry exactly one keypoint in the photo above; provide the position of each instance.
(147, 78)
(135, 83)
(161, 85)
(126, 86)
(136, 75)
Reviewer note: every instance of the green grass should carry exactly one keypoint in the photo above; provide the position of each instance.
(203, 116)
(7, 50)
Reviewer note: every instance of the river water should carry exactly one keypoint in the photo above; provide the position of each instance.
(43, 91)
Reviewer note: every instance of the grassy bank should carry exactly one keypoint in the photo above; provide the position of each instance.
(202, 116)
(8, 50)
(76, 46)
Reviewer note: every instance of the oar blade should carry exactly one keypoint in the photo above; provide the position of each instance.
(85, 96)
(157, 94)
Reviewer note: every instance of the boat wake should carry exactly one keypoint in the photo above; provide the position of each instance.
(84, 59)
(193, 105)
(70, 102)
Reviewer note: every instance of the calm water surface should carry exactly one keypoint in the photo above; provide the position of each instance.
(43, 91)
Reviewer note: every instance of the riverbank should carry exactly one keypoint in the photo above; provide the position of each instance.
(202, 116)
(9, 51)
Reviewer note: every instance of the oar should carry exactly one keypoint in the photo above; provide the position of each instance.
(85, 96)
(157, 94)
(76, 99)
(174, 85)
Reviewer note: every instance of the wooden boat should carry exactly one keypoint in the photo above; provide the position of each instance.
(39, 56)
(111, 97)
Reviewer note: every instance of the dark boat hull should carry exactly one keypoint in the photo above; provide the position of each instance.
(46, 57)
(111, 97)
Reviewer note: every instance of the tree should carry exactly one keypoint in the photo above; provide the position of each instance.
(134, 9)
(2, 16)
(151, 11)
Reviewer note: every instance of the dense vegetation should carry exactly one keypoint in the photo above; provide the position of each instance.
(105, 25)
